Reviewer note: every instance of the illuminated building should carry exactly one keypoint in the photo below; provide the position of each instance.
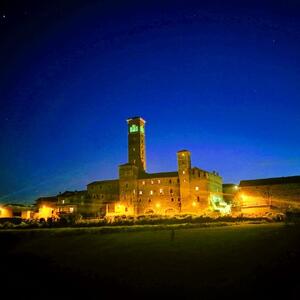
(261, 195)
(186, 190)
(135, 192)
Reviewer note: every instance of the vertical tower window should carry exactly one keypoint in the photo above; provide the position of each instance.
(151, 192)
(197, 188)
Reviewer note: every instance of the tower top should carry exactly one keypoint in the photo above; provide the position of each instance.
(135, 119)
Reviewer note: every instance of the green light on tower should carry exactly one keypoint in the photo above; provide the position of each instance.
(133, 128)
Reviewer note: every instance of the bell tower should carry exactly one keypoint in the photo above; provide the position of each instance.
(184, 174)
(136, 143)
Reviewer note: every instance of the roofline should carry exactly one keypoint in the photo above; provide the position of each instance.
(103, 181)
(270, 181)
(129, 119)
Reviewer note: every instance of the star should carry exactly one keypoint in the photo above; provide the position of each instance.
(3, 16)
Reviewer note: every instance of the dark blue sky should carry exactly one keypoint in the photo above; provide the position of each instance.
(221, 80)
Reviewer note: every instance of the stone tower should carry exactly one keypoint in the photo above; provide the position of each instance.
(184, 173)
(136, 143)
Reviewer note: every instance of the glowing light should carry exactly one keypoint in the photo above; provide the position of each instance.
(236, 187)
(133, 128)
(194, 203)
(151, 192)
(218, 204)
(45, 212)
(157, 205)
(197, 188)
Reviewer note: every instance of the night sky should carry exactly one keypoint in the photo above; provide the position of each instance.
(220, 78)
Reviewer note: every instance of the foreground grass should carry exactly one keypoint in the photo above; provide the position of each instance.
(248, 260)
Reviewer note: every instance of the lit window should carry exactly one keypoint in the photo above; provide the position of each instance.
(133, 128)
(197, 188)
(183, 172)
(158, 181)
(151, 192)
(71, 209)
(134, 192)
(63, 201)
(143, 182)
(140, 192)
(161, 191)
(182, 154)
(151, 181)
(133, 149)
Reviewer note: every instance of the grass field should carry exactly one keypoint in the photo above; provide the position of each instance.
(233, 261)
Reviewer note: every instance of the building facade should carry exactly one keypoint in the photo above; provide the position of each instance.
(137, 192)
(280, 193)
(189, 189)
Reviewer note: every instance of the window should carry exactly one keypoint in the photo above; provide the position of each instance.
(151, 181)
(172, 199)
(198, 199)
(140, 192)
(151, 192)
(63, 201)
(133, 149)
(171, 191)
(143, 182)
(133, 128)
(71, 209)
(133, 192)
(158, 181)
(197, 188)
(183, 172)
(178, 199)
(161, 191)
(149, 200)
(170, 181)
(177, 180)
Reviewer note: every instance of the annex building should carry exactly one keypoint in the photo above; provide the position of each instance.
(137, 192)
